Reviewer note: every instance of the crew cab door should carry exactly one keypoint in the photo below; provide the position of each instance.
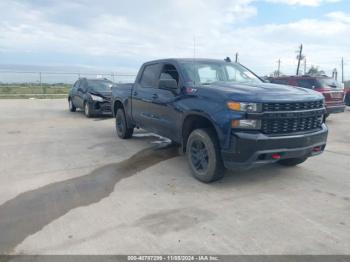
(142, 96)
(167, 118)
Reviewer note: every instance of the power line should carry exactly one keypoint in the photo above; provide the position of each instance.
(342, 69)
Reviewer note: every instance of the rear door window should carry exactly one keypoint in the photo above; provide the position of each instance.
(150, 76)
(76, 85)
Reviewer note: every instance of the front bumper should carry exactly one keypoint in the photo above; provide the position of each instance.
(252, 149)
(101, 108)
(335, 109)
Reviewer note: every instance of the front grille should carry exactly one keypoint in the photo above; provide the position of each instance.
(295, 106)
(291, 125)
(106, 107)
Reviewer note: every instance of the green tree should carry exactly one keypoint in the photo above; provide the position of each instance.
(315, 71)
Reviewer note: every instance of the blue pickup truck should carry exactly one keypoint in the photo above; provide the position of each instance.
(222, 115)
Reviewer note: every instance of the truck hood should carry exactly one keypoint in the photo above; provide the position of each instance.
(263, 92)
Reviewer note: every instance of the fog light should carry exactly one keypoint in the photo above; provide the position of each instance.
(276, 156)
(246, 124)
(317, 149)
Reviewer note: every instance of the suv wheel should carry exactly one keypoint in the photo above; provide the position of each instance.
(121, 125)
(203, 155)
(72, 108)
(87, 109)
(292, 161)
(347, 99)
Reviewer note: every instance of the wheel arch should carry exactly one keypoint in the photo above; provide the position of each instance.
(116, 105)
(194, 121)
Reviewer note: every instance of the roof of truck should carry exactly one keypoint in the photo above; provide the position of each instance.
(179, 60)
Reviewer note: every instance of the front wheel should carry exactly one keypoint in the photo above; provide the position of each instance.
(121, 125)
(72, 108)
(292, 161)
(87, 109)
(204, 156)
(347, 99)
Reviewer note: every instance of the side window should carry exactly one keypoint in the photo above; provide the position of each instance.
(83, 85)
(169, 72)
(306, 83)
(150, 75)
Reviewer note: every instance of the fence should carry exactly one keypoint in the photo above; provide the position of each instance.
(15, 84)
(38, 78)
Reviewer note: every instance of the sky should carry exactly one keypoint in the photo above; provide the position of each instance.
(118, 36)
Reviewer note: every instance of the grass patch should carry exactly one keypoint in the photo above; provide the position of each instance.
(25, 91)
(34, 89)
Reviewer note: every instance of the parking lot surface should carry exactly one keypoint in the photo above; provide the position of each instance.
(68, 185)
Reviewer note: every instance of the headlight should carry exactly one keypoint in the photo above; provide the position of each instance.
(246, 124)
(244, 107)
(96, 98)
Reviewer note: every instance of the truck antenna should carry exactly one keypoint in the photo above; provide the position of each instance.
(194, 60)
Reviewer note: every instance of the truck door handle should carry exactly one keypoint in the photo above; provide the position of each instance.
(154, 96)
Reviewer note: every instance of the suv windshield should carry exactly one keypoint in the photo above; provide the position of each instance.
(209, 72)
(329, 82)
(100, 85)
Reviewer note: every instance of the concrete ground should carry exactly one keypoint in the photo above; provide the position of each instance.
(68, 185)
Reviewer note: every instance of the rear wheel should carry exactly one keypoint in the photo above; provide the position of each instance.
(72, 108)
(292, 161)
(121, 125)
(203, 155)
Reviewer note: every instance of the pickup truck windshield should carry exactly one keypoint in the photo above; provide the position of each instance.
(209, 72)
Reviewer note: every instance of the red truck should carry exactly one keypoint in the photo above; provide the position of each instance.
(332, 91)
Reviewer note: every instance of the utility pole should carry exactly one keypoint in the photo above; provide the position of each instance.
(299, 57)
(279, 67)
(342, 69)
(236, 59)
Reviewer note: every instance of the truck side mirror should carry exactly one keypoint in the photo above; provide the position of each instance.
(168, 84)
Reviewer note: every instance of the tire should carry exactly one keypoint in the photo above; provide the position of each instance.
(87, 110)
(203, 155)
(325, 117)
(292, 161)
(347, 100)
(121, 125)
(72, 108)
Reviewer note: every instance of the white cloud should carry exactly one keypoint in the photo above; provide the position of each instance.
(304, 2)
(340, 16)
